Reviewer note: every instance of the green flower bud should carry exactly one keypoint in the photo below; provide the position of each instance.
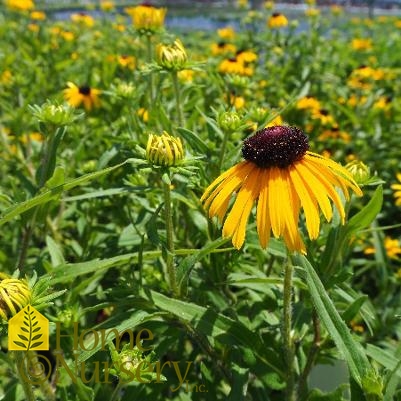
(229, 121)
(172, 57)
(164, 150)
(360, 171)
(55, 115)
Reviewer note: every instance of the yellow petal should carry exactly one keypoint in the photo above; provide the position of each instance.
(308, 203)
(235, 224)
(262, 213)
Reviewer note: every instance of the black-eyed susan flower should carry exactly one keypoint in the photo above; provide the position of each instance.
(282, 177)
(127, 61)
(277, 20)
(76, 95)
(235, 67)
(323, 116)
(20, 5)
(246, 56)
(83, 19)
(397, 190)
(146, 18)
(222, 47)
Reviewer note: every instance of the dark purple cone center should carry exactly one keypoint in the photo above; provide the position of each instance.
(85, 90)
(278, 146)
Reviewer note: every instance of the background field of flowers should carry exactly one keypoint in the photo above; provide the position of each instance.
(86, 213)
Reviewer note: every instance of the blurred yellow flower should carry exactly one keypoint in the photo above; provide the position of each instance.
(282, 177)
(75, 95)
(277, 20)
(144, 114)
(83, 19)
(397, 190)
(33, 27)
(362, 44)
(147, 18)
(127, 61)
(308, 102)
(336, 9)
(6, 77)
(38, 15)
(20, 5)
(226, 33)
(223, 48)
(186, 75)
(234, 66)
(323, 116)
(246, 56)
(336, 134)
(107, 5)
(392, 247)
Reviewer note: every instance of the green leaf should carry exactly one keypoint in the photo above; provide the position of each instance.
(55, 252)
(352, 351)
(194, 140)
(220, 327)
(188, 263)
(365, 217)
(53, 193)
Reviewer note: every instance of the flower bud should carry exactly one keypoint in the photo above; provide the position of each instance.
(172, 57)
(14, 295)
(54, 114)
(359, 170)
(146, 18)
(229, 121)
(164, 150)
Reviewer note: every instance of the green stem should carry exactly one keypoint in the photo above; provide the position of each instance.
(287, 317)
(170, 239)
(223, 150)
(22, 375)
(180, 118)
(149, 56)
(114, 396)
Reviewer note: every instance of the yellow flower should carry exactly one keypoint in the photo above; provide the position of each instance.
(246, 56)
(323, 116)
(397, 189)
(67, 35)
(75, 95)
(308, 102)
(222, 48)
(361, 44)
(382, 103)
(226, 33)
(147, 18)
(335, 133)
(392, 247)
(107, 5)
(186, 75)
(234, 66)
(6, 77)
(127, 61)
(83, 19)
(277, 20)
(20, 5)
(38, 15)
(397, 24)
(33, 27)
(283, 177)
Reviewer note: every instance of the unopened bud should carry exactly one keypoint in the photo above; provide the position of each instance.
(164, 150)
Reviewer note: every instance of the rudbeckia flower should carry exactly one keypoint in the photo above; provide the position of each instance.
(75, 95)
(20, 5)
(277, 20)
(282, 177)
